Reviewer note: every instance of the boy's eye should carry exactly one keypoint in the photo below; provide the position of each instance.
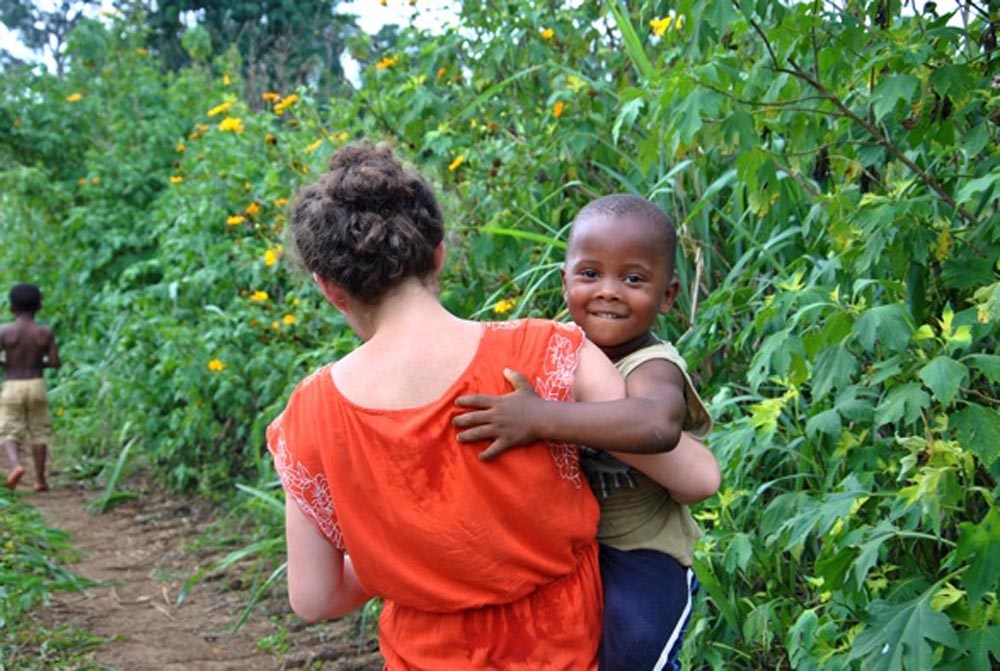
(634, 279)
(588, 273)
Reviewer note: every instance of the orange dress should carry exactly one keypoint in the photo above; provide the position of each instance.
(482, 565)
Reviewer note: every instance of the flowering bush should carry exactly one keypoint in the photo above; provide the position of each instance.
(832, 177)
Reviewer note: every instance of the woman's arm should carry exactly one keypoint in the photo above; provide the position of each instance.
(321, 580)
(690, 472)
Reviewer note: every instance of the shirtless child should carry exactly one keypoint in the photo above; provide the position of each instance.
(29, 348)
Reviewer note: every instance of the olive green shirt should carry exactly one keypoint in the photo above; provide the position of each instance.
(636, 512)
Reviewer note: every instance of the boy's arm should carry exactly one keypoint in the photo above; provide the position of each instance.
(51, 359)
(647, 424)
(690, 472)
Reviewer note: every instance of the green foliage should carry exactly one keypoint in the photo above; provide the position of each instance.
(833, 176)
(31, 570)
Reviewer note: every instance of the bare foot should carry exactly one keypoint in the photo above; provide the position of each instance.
(41, 487)
(15, 477)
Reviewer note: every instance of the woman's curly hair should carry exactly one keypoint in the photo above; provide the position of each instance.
(368, 223)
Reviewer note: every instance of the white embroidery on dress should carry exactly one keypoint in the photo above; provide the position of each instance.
(505, 326)
(310, 491)
(556, 384)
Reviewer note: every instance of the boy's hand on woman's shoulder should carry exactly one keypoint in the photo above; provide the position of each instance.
(508, 420)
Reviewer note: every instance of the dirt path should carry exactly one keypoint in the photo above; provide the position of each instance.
(141, 553)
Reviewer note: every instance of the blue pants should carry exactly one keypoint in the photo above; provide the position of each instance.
(647, 605)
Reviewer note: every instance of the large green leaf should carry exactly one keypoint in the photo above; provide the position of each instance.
(944, 376)
(979, 431)
(886, 324)
(834, 369)
(900, 88)
(905, 402)
(979, 547)
(898, 636)
(987, 364)
(982, 646)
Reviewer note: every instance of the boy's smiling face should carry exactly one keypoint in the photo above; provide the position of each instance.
(617, 279)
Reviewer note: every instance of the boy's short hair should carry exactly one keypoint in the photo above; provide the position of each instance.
(25, 298)
(628, 205)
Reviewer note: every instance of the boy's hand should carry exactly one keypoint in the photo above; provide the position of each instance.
(506, 419)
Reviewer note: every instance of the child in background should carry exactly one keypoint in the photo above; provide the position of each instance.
(29, 348)
(617, 277)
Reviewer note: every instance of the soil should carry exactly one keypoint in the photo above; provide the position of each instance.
(140, 553)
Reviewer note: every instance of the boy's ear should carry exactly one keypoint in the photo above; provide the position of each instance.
(562, 276)
(334, 293)
(669, 295)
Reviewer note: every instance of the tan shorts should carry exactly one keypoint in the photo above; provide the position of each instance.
(24, 412)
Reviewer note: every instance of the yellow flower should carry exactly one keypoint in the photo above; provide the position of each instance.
(176, 179)
(679, 23)
(219, 109)
(216, 366)
(386, 62)
(82, 181)
(383, 2)
(201, 127)
(281, 202)
(60, 412)
(453, 166)
(548, 34)
(235, 220)
(342, 136)
(441, 72)
(285, 103)
(74, 97)
(506, 305)
(660, 26)
(180, 148)
(142, 52)
(558, 108)
(225, 80)
(95, 180)
(289, 319)
(270, 257)
(231, 123)
(259, 296)
(275, 325)
(270, 96)
(314, 146)
(252, 209)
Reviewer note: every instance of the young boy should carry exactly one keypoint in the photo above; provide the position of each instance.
(617, 277)
(29, 348)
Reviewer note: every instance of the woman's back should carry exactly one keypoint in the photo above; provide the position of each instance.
(482, 565)
(417, 354)
(487, 561)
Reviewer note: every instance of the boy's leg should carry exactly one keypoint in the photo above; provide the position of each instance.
(647, 604)
(16, 470)
(11, 432)
(39, 452)
(39, 430)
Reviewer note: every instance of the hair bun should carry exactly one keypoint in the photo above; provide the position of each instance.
(367, 177)
(368, 223)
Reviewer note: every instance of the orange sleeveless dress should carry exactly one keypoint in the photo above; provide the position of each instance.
(481, 565)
